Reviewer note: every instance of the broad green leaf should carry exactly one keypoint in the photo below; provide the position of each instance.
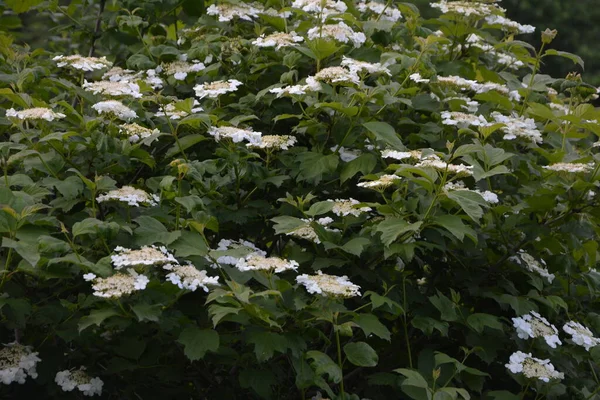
(361, 354)
(365, 163)
(573, 57)
(469, 201)
(147, 312)
(478, 321)
(21, 6)
(445, 306)
(456, 226)
(323, 364)
(322, 207)
(266, 344)
(96, 317)
(197, 342)
(370, 324)
(392, 227)
(384, 132)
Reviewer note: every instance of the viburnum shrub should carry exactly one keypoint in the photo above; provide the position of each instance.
(293, 200)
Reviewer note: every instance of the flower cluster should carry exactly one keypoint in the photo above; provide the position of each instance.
(456, 169)
(334, 75)
(581, 335)
(570, 167)
(82, 63)
(147, 255)
(278, 40)
(382, 182)
(136, 132)
(257, 262)
(276, 142)
(503, 58)
(117, 285)
(113, 88)
(214, 89)
(181, 68)
(311, 86)
(307, 232)
(509, 25)
(322, 7)
(243, 247)
(462, 120)
(340, 32)
(36, 113)
(236, 135)
(227, 11)
(533, 325)
(402, 155)
(531, 367)
(532, 265)
(467, 8)
(171, 110)
(517, 126)
(16, 363)
(385, 12)
(69, 380)
(118, 74)
(328, 285)
(115, 108)
(130, 195)
(345, 207)
(356, 66)
(189, 277)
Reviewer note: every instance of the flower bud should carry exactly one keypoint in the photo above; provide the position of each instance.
(549, 35)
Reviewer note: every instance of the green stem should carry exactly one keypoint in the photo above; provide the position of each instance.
(404, 305)
(339, 353)
(536, 66)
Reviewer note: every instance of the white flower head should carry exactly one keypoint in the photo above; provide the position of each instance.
(345, 207)
(580, 335)
(329, 285)
(257, 262)
(180, 69)
(276, 142)
(385, 12)
(171, 110)
(130, 195)
(115, 89)
(115, 108)
(516, 126)
(467, 8)
(570, 167)
(339, 32)
(32, 114)
(245, 246)
(321, 7)
(236, 135)
(189, 277)
(227, 11)
(16, 363)
(214, 89)
(119, 284)
(401, 155)
(531, 264)
(82, 63)
(136, 132)
(146, 255)
(456, 169)
(509, 25)
(382, 182)
(69, 380)
(463, 120)
(334, 75)
(533, 368)
(363, 66)
(533, 325)
(278, 40)
(307, 232)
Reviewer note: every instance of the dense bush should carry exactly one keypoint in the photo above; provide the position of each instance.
(293, 200)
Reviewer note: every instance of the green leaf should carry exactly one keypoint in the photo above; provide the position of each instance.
(93, 226)
(392, 227)
(573, 57)
(470, 202)
(196, 342)
(313, 165)
(151, 231)
(414, 385)
(365, 163)
(478, 321)
(323, 364)
(96, 317)
(189, 244)
(266, 344)
(445, 306)
(322, 207)
(21, 6)
(285, 224)
(147, 312)
(184, 143)
(456, 226)
(356, 246)
(361, 354)
(384, 132)
(370, 324)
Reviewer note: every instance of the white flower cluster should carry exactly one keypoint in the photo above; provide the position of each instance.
(385, 12)
(516, 126)
(147, 255)
(508, 24)
(113, 88)
(214, 89)
(333, 75)
(69, 380)
(503, 58)
(308, 232)
(236, 135)
(117, 285)
(340, 32)
(347, 155)
(532, 265)
(227, 11)
(533, 325)
(226, 244)
(172, 112)
(580, 335)
(189, 277)
(277, 142)
(137, 132)
(311, 86)
(116, 109)
(81, 63)
(16, 363)
(401, 155)
(328, 285)
(488, 196)
(467, 8)
(278, 40)
(34, 113)
(469, 105)
(531, 367)
(456, 169)
(322, 7)
(463, 120)
(345, 207)
(356, 66)
(570, 167)
(382, 182)
(181, 68)
(118, 74)
(257, 262)
(130, 195)
(477, 87)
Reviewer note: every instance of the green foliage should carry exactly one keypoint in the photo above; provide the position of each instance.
(324, 228)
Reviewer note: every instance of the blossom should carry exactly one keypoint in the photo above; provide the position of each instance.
(189, 277)
(81, 63)
(328, 285)
(227, 11)
(118, 74)
(236, 135)
(516, 126)
(130, 195)
(508, 24)
(581, 335)
(532, 265)
(118, 285)
(401, 155)
(570, 167)
(346, 155)
(463, 120)
(533, 325)
(296, 89)
(283, 142)
(307, 232)
(532, 367)
(115, 108)
(17, 362)
(386, 12)
(458, 170)
(416, 77)
(477, 87)
(257, 262)
(172, 112)
(466, 8)
(147, 255)
(474, 40)
(69, 380)
(34, 113)
(323, 7)
(382, 182)
(363, 66)
(278, 40)
(111, 88)
(242, 248)
(488, 196)
(334, 75)
(214, 89)
(340, 32)
(137, 132)
(181, 68)
(344, 207)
